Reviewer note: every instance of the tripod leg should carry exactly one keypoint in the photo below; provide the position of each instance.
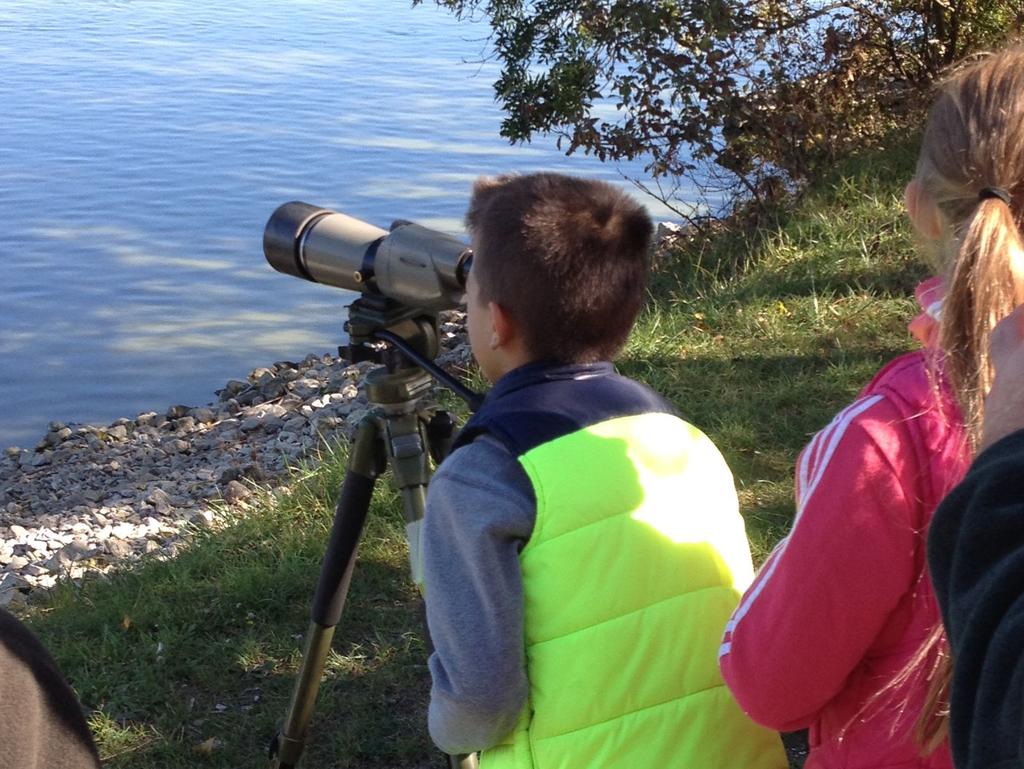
(332, 588)
(408, 438)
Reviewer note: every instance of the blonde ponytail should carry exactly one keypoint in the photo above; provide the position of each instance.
(972, 167)
(984, 285)
(932, 727)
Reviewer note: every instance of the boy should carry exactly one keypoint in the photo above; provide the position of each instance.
(582, 545)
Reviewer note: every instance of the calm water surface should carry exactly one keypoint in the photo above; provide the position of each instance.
(144, 143)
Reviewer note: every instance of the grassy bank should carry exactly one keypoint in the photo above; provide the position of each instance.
(759, 340)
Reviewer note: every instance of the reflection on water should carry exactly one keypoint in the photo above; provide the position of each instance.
(142, 147)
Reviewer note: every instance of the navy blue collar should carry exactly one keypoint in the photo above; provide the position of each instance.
(545, 400)
(546, 371)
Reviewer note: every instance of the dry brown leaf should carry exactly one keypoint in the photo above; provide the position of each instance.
(206, 747)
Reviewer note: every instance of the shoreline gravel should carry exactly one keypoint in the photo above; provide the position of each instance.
(89, 498)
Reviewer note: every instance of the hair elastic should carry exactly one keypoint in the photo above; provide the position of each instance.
(994, 192)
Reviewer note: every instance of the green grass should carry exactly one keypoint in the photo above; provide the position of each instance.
(758, 339)
(191, 662)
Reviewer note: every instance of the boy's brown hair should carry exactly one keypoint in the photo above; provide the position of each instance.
(566, 257)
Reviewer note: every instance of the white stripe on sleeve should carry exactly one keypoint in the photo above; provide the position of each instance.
(828, 438)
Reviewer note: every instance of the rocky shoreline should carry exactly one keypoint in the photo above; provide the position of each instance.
(89, 498)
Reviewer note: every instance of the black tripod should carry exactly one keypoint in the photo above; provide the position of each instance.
(402, 431)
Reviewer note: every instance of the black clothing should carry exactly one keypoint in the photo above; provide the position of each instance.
(41, 722)
(976, 556)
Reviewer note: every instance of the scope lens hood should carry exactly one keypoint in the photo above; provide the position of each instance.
(282, 237)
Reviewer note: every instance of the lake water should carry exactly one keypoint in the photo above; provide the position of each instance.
(144, 143)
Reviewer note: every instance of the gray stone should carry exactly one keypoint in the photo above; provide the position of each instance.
(273, 389)
(230, 474)
(185, 424)
(203, 415)
(176, 412)
(230, 435)
(160, 500)
(249, 397)
(234, 386)
(232, 407)
(175, 445)
(118, 548)
(79, 549)
(305, 388)
(271, 410)
(59, 561)
(123, 531)
(31, 459)
(293, 424)
(9, 581)
(236, 492)
(46, 581)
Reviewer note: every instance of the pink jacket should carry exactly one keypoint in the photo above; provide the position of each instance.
(843, 603)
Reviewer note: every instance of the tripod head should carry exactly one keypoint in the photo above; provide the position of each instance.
(405, 341)
(372, 314)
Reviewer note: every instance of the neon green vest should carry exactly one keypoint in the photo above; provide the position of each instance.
(637, 558)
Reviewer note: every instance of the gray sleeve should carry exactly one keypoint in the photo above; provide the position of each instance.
(480, 513)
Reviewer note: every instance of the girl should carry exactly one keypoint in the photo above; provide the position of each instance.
(840, 632)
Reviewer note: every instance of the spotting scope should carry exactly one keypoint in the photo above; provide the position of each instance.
(408, 263)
